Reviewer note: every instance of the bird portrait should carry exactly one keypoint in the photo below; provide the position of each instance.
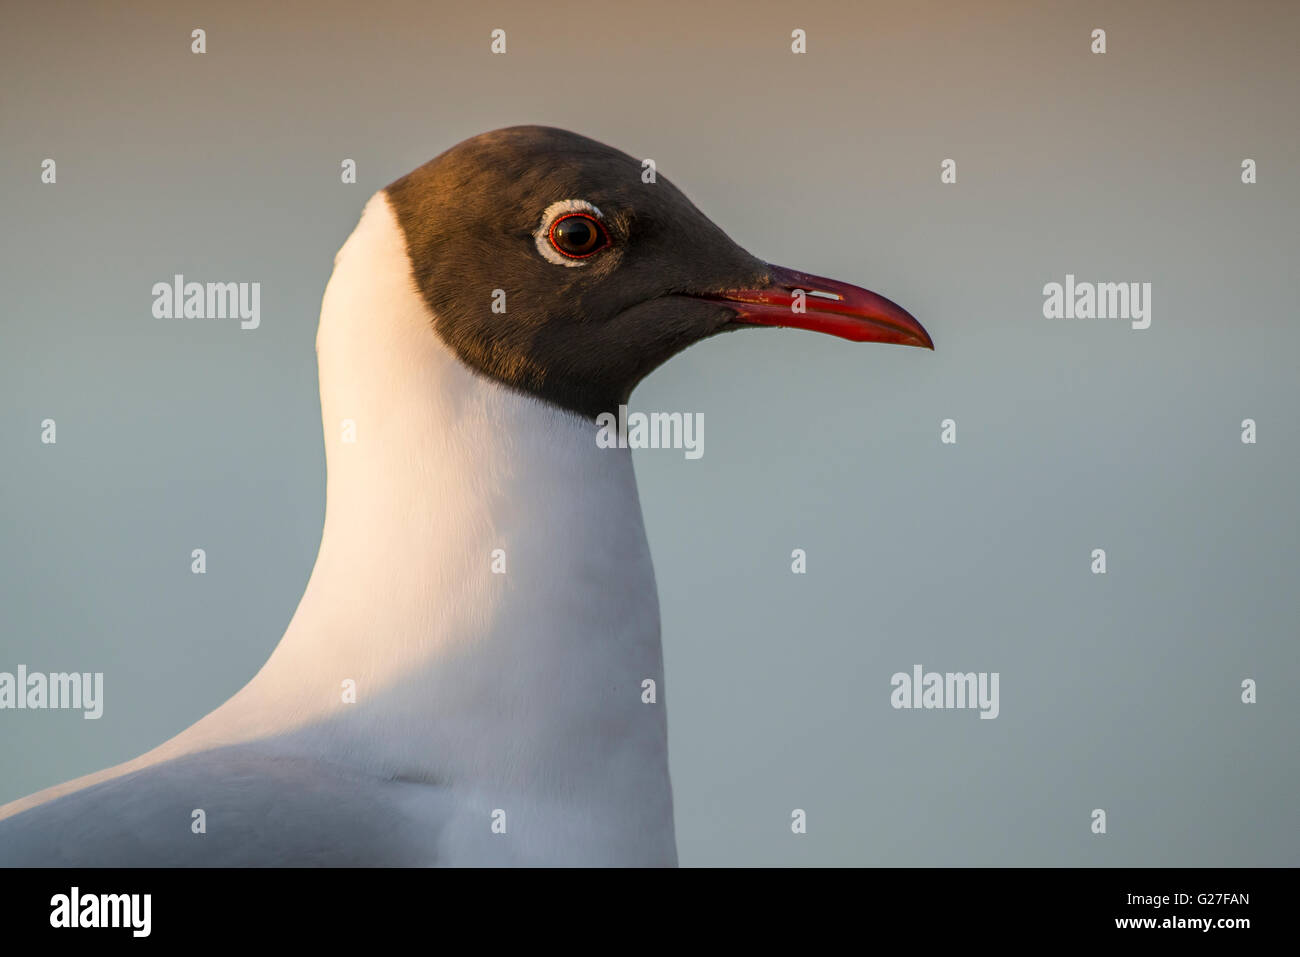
(486, 705)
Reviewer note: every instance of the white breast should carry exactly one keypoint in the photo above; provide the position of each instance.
(516, 693)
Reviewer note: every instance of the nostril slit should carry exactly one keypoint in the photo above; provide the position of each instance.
(825, 295)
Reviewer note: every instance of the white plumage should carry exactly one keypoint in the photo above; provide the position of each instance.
(476, 692)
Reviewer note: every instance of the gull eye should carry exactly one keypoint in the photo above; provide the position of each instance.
(570, 232)
(578, 235)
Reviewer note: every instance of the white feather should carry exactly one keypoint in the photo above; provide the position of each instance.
(476, 692)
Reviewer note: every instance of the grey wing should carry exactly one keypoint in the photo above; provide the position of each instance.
(258, 810)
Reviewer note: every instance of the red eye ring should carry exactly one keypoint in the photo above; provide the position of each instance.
(600, 242)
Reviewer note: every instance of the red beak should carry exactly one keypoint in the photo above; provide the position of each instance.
(826, 305)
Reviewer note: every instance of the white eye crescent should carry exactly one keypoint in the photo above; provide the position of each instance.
(583, 237)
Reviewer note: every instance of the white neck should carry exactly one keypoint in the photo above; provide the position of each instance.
(527, 681)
